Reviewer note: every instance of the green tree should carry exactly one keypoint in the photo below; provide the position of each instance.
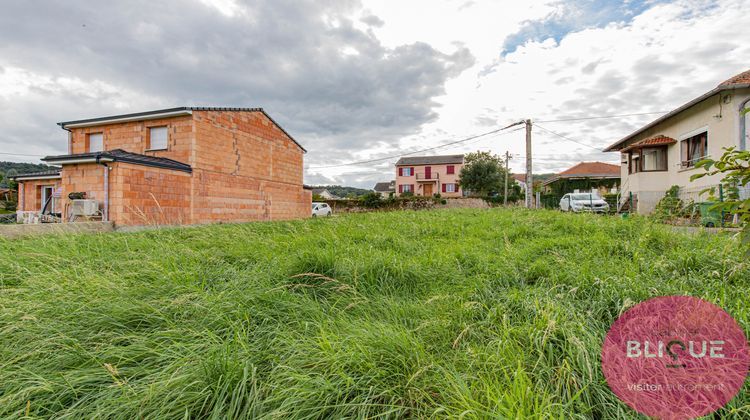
(483, 173)
(480, 156)
(735, 165)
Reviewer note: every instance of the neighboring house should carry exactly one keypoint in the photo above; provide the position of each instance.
(5, 194)
(429, 175)
(520, 180)
(385, 189)
(664, 152)
(175, 166)
(324, 193)
(585, 176)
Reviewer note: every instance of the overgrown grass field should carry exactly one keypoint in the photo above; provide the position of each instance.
(471, 313)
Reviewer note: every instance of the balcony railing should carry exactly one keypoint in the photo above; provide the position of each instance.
(428, 177)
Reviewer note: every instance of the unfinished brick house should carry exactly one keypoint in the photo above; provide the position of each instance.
(184, 165)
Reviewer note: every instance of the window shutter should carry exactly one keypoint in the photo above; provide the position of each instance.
(400, 186)
(451, 169)
(444, 187)
(400, 173)
(411, 172)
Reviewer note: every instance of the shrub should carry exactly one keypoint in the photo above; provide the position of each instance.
(371, 200)
(670, 206)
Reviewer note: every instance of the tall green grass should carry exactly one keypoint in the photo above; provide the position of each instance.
(469, 313)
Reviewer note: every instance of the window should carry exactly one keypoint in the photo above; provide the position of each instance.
(693, 149)
(450, 188)
(654, 159)
(96, 142)
(406, 188)
(635, 158)
(406, 172)
(157, 138)
(450, 170)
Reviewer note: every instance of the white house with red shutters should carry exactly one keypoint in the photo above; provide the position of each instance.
(429, 175)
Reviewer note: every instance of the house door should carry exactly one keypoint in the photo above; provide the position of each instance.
(427, 189)
(46, 208)
(428, 172)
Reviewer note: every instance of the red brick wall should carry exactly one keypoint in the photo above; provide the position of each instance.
(246, 168)
(141, 195)
(133, 137)
(85, 177)
(32, 194)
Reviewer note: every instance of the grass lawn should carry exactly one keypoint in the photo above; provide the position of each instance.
(406, 314)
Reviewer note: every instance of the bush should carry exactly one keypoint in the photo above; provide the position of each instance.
(371, 200)
(670, 207)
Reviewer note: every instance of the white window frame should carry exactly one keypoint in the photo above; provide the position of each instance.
(100, 136)
(151, 145)
(406, 171)
(406, 188)
(451, 188)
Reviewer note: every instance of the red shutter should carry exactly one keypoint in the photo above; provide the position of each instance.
(443, 187)
(400, 187)
(451, 170)
(400, 173)
(412, 171)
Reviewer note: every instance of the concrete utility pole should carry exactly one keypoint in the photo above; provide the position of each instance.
(529, 176)
(505, 197)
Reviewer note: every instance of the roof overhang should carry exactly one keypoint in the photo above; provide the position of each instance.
(36, 177)
(141, 116)
(615, 147)
(64, 160)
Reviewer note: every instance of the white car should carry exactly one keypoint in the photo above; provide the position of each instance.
(321, 209)
(577, 202)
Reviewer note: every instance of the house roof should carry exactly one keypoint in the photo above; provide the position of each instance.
(385, 186)
(740, 81)
(320, 190)
(50, 174)
(651, 141)
(166, 113)
(431, 160)
(119, 155)
(519, 177)
(587, 170)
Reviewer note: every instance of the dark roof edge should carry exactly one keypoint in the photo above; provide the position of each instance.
(96, 158)
(614, 146)
(186, 109)
(40, 175)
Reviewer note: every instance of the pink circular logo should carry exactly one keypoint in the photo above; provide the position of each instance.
(675, 357)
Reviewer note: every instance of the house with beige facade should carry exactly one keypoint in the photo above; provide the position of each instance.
(429, 175)
(184, 165)
(664, 153)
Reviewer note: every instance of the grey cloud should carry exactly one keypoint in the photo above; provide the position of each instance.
(373, 20)
(333, 86)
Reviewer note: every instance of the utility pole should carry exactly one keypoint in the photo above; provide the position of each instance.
(505, 197)
(529, 176)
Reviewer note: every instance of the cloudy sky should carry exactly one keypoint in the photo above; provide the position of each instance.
(363, 80)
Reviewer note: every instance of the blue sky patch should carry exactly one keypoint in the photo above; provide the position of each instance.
(573, 16)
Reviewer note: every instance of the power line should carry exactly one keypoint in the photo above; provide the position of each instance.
(21, 154)
(419, 151)
(603, 117)
(566, 138)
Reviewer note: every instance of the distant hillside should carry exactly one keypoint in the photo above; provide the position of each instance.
(19, 168)
(340, 191)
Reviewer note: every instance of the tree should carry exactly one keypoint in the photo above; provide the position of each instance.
(735, 165)
(483, 173)
(479, 156)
